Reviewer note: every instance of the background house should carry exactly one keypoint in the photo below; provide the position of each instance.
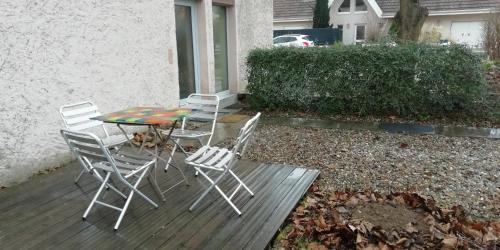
(456, 21)
(118, 54)
(293, 14)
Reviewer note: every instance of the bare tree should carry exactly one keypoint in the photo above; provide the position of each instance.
(492, 36)
(409, 20)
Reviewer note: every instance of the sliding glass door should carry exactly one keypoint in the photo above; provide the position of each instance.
(186, 49)
(220, 48)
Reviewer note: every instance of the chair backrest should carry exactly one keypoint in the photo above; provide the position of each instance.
(245, 134)
(88, 147)
(203, 108)
(77, 117)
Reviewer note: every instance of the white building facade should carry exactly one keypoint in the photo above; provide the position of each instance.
(117, 54)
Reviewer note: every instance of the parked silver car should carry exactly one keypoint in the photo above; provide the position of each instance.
(300, 41)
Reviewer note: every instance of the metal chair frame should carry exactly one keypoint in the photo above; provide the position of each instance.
(78, 117)
(204, 107)
(222, 160)
(123, 165)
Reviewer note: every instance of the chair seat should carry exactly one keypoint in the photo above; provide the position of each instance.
(127, 163)
(186, 133)
(115, 140)
(210, 157)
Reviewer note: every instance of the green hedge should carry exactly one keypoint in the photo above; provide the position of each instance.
(410, 79)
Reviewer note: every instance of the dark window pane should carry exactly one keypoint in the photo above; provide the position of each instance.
(345, 6)
(360, 32)
(360, 5)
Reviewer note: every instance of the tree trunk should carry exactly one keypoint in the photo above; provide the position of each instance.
(410, 19)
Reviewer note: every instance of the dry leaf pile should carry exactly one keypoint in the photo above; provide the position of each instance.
(493, 75)
(368, 220)
(149, 138)
(139, 137)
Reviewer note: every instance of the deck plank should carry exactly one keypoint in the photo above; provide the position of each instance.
(260, 213)
(218, 214)
(45, 213)
(206, 238)
(272, 223)
(169, 230)
(147, 226)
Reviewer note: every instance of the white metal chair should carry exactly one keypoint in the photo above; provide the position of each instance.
(77, 117)
(204, 108)
(222, 160)
(124, 165)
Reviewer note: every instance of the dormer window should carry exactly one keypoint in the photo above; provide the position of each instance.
(345, 6)
(361, 6)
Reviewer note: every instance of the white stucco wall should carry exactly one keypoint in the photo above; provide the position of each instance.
(254, 30)
(115, 53)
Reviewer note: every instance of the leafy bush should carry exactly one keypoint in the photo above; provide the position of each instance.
(409, 79)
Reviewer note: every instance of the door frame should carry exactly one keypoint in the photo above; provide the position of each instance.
(194, 28)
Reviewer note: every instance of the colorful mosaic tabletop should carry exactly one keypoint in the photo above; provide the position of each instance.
(145, 116)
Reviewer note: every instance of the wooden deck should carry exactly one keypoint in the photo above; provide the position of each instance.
(45, 213)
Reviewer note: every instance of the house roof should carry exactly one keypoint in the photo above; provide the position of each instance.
(390, 7)
(303, 9)
(293, 9)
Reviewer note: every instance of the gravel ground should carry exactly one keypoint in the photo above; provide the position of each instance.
(455, 171)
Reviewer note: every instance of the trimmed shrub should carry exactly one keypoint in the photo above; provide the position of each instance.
(409, 79)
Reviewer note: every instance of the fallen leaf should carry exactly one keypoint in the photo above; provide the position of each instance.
(490, 237)
(410, 228)
(361, 241)
(371, 247)
(310, 202)
(320, 222)
(450, 242)
(316, 246)
(353, 201)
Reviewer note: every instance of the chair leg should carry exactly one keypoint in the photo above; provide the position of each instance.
(80, 175)
(213, 184)
(86, 168)
(241, 182)
(124, 209)
(171, 155)
(133, 189)
(104, 182)
(228, 200)
(201, 144)
(98, 176)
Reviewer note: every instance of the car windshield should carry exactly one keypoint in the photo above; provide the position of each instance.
(306, 38)
(278, 40)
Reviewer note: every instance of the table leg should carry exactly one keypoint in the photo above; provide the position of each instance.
(164, 140)
(125, 134)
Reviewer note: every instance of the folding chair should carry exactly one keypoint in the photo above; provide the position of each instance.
(77, 117)
(204, 108)
(222, 160)
(125, 166)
